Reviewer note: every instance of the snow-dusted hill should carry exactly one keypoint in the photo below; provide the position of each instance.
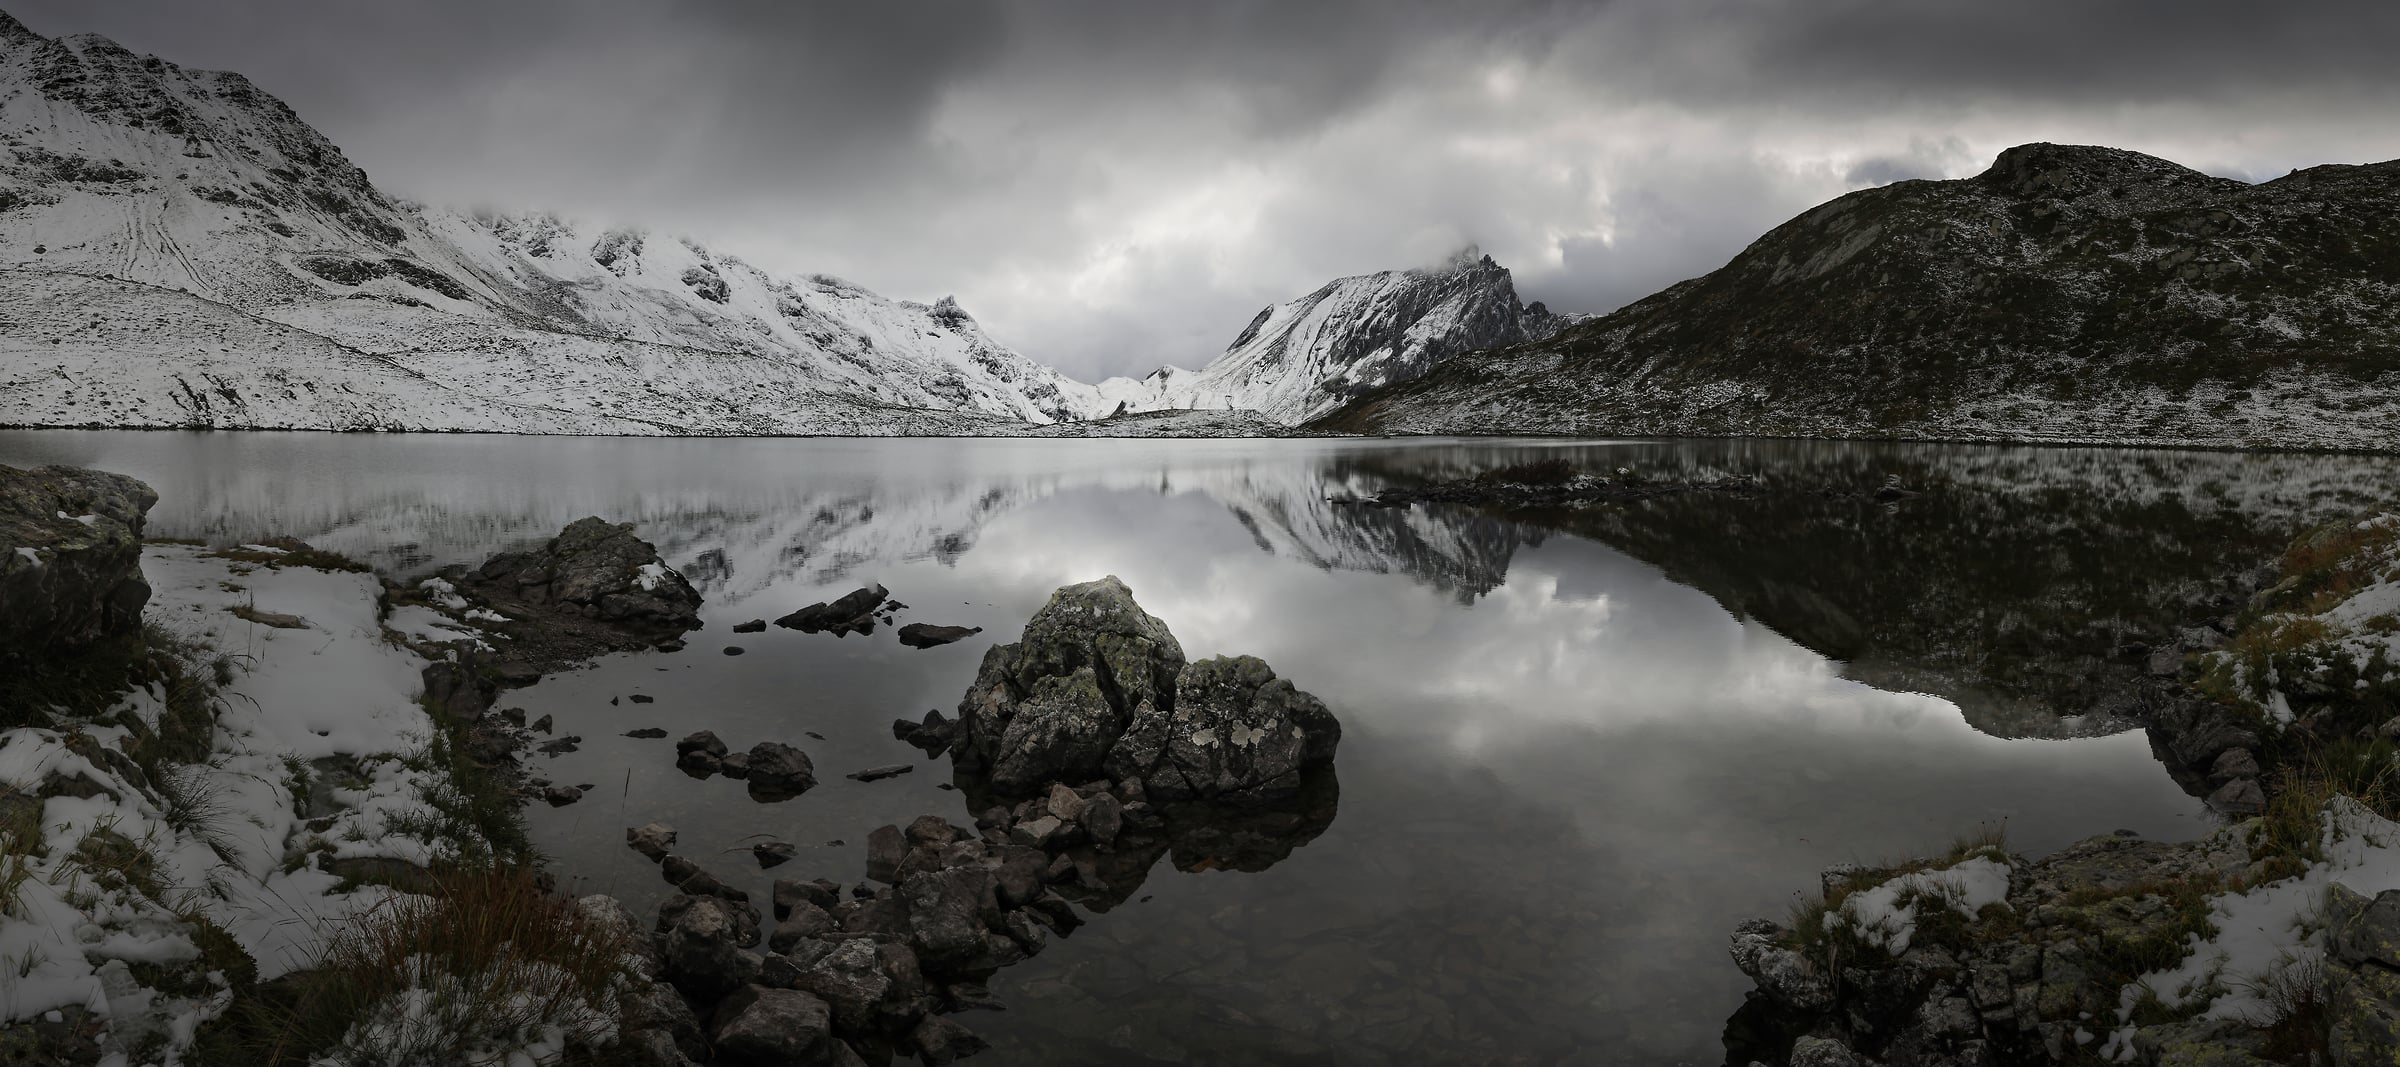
(234, 244)
(2069, 293)
(1303, 357)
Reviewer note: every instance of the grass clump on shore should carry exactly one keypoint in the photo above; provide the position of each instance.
(486, 961)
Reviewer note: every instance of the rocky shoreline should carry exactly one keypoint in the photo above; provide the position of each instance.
(2273, 940)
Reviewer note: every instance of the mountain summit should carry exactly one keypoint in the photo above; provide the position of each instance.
(1303, 357)
(2066, 293)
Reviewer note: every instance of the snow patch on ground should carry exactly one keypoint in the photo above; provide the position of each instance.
(1886, 915)
(318, 756)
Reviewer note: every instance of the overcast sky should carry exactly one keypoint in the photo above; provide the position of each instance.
(1114, 184)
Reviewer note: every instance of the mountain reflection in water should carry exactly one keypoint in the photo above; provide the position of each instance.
(1577, 747)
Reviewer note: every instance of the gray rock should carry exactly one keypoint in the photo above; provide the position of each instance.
(658, 1008)
(688, 877)
(779, 772)
(1237, 731)
(773, 853)
(1822, 1052)
(734, 765)
(70, 558)
(886, 847)
(1103, 819)
(853, 612)
(1035, 833)
(921, 635)
(2234, 763)
(2361, 932)
(702, 948)
(595, 569)
(2242, 796)
(1781, 973)
(701, 741)
(850, 980)
(754, 626)
(791, 893)
(1037, 711)
(773, 1028)
(949, 914)
(652, 839)
(877, 774)
(803, 921)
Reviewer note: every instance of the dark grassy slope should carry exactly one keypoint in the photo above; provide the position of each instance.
(2066, 293)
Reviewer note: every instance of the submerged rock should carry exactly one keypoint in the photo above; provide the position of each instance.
(924, 635)
(779, 772)
(70, 558)
(853, 612)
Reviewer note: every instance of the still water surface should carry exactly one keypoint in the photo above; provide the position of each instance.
(1576, 751)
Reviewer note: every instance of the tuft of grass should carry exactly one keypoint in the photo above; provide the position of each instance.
(484, 958)
(2300, 1026)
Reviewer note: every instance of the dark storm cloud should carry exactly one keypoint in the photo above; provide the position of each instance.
(1113, 185)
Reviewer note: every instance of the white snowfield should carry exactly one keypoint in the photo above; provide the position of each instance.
(336, 692)
(179, 249)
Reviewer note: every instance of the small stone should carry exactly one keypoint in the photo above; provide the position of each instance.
(761, 1025)
(773, 853)
(733, 650)
(1064, 803)
(647, 733)
(701, 741)
(1103, 819)
(886, 847)
(877, 774)
(754, 626)
(734, 765)
(559, 796)
(651, 839)
(640, 698)
(1035, 833)
(541, 725)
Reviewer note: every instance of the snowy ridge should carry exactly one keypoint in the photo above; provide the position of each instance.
(194, 184)
(1304, 357)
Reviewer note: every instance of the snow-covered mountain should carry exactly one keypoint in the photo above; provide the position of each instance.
(255, 277)
(1304, 357)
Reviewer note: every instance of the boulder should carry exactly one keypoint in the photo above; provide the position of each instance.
(1237, 732)
(1048, 707)
(1097, 688)
(702, 948)
(950, 913)
(779, 772)
(773, 1028)
(849, 977)
(70, 558)
(596, 569)
(853, 612)
(923, 635)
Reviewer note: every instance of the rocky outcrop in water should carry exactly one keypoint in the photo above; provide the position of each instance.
(852, 612)
(1098, 689)
(594, 588)
(70, 558)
